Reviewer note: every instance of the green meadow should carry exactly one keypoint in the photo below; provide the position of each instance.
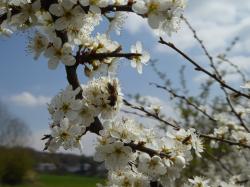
(62, 181)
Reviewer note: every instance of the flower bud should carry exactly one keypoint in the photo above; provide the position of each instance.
(180, 161)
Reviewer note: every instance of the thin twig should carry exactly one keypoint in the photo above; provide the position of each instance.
(220, 163)
(224, 140)
(200, 68)
(217, 74)
(141, 108)
(236, 67)
(134, 113)
(182, 97)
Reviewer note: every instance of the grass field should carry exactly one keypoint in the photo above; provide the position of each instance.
(63, 181)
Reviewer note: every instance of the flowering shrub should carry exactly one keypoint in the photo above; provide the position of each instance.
(133, 154)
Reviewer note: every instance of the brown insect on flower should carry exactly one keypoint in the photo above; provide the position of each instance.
(113, 93)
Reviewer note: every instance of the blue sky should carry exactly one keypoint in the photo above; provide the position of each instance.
(27, 85)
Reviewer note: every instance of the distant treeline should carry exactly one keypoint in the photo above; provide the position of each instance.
(18, 164)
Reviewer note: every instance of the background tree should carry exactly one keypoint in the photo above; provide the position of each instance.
(15, 161)
(13, 131)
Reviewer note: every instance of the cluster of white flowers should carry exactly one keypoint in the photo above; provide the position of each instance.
(119, 147)
(66, 134)
(126, 178)
(101, 44)
(122, 142)
(65, 29)
(162, 15)
(71, 116)
(198, 182)
(190, 138)
(104, 96)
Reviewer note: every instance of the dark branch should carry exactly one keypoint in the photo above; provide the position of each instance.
(88, 57)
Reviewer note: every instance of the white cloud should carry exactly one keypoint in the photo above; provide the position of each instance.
(222, 12)
(29, 100)
(217, 23)
(135, 24)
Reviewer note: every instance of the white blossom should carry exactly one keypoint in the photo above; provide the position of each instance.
(199, 182)
(152, 166)
(38, 44)
(95, 5)
(104, 96)
(162, 15)
(65, 105)
(5, 29)
(117, 22)
(28, 13)
(246, 85)
(115, 155)
(67, 13)
(66, 134)
(143, 58)
(59, 52)
(126, 178)
(125, 130)
(85, 114)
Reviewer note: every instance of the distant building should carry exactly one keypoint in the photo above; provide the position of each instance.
(43, 167)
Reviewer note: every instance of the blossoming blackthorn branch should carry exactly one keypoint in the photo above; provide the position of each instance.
(209, 137)
(96, 126)
(133, 154)
(124, 145)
